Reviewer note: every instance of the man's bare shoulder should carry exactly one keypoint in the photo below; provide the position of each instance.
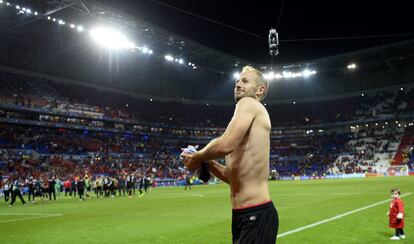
(249, 102)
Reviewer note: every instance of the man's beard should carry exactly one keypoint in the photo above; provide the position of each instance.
(243, 94)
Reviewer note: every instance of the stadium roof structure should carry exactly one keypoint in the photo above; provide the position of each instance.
(38, 43)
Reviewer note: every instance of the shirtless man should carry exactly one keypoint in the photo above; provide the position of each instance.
(246, 147)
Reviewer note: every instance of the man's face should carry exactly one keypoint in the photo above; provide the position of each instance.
(395, 195)
(245, 86)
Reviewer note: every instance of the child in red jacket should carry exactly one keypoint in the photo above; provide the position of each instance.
(396, 215)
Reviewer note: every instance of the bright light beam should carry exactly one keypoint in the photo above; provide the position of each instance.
(111, 39)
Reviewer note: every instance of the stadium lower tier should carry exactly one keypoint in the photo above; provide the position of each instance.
(31, 150)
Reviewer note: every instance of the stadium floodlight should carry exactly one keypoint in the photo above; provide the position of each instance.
(48, 17)
(236, 75)
(23, 9)
(287, 74)
(362, 94)
(17, 7)
(351, 66)
(28, 10)
(145, 49)
(169, 58)
(189, 64)
(61, 22)
(269, 76)
(278, 76)
(72, 26)
(54, 20)
(294, 102)
(35, 13)
(150, 52)
(1, 1)
(111, 39)
(307, 73)
(80, 28)
(180, 61)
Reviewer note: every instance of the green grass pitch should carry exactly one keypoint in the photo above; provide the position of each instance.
(203, 215)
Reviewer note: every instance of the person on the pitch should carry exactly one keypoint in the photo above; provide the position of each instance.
(51, 187)
(245, 144)
(396, 215)
(7, 189)
(188, 182)
(16, 191)
(30, 185)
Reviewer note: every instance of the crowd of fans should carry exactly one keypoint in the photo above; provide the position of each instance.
(307, 156)
(151, 133)
(94, 152)
(74, 99)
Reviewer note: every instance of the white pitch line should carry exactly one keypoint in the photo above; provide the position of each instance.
(336, 217)
(30, 214)
(29, 218)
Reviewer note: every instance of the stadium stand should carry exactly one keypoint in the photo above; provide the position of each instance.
(123, 130)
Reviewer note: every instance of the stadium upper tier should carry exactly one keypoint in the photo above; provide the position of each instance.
(74, 104)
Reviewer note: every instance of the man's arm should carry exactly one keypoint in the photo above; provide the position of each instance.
(219, 170)
(244, 115)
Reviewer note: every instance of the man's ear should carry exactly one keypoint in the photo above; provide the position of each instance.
(261, 90)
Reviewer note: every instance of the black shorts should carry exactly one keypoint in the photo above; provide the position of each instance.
(258, 224)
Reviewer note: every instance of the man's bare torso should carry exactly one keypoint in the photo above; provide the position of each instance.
(248, 165)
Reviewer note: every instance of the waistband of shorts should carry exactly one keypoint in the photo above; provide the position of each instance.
(254, 207)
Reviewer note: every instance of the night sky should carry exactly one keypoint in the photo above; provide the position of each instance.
(299, 20)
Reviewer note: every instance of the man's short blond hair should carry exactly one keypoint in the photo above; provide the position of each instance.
(260, 81)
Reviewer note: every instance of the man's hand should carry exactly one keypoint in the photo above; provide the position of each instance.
(191, 161)
(187, 156)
